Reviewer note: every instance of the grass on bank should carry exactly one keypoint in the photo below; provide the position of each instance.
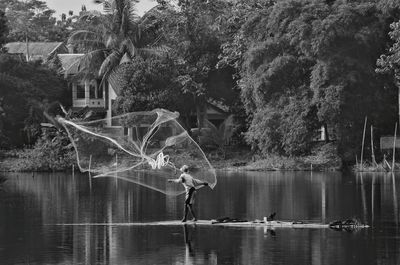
(54, 156)
(323, 158)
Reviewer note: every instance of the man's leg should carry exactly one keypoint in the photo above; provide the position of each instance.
(185, 212)
(192, 212)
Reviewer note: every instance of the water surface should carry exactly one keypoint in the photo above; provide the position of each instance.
(31, 205)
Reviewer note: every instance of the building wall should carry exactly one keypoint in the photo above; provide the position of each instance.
(96, 100)
(111, 97)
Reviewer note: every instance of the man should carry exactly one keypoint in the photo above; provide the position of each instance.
(190, 185)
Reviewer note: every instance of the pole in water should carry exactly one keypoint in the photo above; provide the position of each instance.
(363, 139)
(116, 168)
(90, 165)
(372, 147)
(394, 146)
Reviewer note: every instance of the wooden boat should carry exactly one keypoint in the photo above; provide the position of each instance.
(239, 224)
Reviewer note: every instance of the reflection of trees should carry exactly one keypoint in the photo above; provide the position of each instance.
(27, 203)
(294, 196)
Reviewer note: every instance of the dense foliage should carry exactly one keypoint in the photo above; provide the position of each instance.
(390, 62)
(52, 151)
(110, 41)
(306, 64)
(299, 66)
(285, 68)
(33, 20)
(186, 78)
(26, 90)
(150, 86)
(3, 28)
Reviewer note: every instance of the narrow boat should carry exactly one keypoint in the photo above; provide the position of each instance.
(339, 225)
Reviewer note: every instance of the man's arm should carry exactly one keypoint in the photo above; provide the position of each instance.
(198, 182)
(178, 180)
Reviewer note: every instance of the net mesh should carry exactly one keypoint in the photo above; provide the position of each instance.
(145, 148)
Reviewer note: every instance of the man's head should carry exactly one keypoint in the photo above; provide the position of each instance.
(184, 169)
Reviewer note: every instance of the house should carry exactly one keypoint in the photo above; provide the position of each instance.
(31, 51)
(321, 134)
(216, 113)
(88, 91)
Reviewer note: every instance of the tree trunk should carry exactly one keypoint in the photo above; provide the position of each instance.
(187, 124)
(326, 133)
(27, 48)
(372, 147)
(398, 96)
(200, 112)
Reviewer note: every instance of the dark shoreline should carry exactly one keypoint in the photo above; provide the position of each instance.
(234, 162)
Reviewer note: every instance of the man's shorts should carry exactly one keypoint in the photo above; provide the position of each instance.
(190, 194)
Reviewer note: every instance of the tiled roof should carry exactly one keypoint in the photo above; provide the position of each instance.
(70, 62)
(36, 49)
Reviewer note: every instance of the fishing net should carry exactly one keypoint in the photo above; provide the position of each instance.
(145, 148)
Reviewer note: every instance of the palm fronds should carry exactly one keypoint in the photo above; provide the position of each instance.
(119, 76)
(86, 39)
(157, 51)
(113, 42)
(111, 61)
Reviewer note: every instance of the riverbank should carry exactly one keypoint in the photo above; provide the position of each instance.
(28, 160)
(322, 159)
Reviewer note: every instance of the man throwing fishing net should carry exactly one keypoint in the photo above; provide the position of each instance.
(190, 185)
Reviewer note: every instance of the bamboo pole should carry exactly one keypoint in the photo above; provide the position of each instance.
(386, 162)
(116, 168)
(394, 146)
(90, 177)
(372, 147)
(357, 166)
(90, 163)
(363, 140)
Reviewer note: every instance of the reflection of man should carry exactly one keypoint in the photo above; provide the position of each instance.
(190, 185)
(2, 114)
(189, 253)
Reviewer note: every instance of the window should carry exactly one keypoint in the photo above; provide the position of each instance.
(99, 89)
(114, 122)
(92, 90)
(80, 91)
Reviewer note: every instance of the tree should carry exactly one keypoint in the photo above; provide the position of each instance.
(29, 20)
(390, 62)
(151, 86)
(26, 90)
(3, 28)
(196, 40)
(303, 64)
(111, 41)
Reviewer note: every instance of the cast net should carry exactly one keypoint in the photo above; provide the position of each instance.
(146, 148)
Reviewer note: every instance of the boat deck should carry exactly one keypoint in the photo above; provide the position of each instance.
(267, 224)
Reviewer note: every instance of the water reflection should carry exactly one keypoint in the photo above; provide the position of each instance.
(31, 206)
(395, 203)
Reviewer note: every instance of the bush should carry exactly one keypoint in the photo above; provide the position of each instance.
(52, 152)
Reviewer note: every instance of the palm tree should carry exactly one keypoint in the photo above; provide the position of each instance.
(112, 39)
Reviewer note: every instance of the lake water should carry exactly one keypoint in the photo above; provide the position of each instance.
(30, 206)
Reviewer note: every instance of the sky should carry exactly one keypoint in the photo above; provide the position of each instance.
(63, 6)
